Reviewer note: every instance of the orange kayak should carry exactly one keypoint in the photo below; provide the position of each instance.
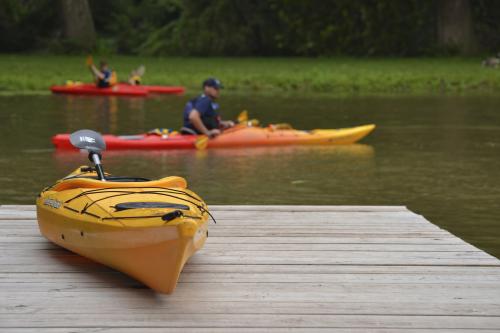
(239, 136)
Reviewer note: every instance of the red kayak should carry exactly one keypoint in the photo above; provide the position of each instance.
(165, 90)
(120, 89)
(239, 136)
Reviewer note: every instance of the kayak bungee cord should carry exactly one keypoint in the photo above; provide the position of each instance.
(115, 189)
(142, 192)
(124, 193)
(203, 210)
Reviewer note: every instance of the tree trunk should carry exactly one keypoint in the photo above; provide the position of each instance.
(455, 27)
(78, 23)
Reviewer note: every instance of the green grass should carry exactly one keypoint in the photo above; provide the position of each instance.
(338, 76)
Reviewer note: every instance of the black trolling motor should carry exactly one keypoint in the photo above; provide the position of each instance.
(92, 142)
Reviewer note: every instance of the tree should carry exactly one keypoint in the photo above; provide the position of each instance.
(455, 26)
(78, 25)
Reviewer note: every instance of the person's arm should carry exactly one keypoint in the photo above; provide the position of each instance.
(195, 119)
(97, 73)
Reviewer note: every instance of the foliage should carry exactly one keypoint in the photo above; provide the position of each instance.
(247, 28)
(136, 27)
(486, 14)
(309, 28)
(27, 24)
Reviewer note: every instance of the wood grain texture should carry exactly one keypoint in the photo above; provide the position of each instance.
(263, 269)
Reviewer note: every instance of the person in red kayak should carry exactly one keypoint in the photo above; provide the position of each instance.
(200, 113)
(103, 75)
(135, 77)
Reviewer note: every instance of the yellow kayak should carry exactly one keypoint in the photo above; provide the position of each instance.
(146, 229)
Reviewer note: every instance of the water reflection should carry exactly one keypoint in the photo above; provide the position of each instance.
(240, 161)
(103, 110)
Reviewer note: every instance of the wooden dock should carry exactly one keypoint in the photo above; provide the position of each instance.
(263, 269)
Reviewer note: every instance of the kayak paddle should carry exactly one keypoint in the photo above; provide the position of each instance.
(89, 61)
(141, 70)
(242, 117)
(201, 142)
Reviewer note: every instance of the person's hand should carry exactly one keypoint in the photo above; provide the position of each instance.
(213, 133)
(227, 123)
(89, 61)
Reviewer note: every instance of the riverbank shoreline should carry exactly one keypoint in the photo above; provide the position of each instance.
(34, 74)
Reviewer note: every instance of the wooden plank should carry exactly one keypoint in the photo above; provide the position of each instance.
(395, 224)
(18, 208)
(26, 227)
(130, 305)
(290, 232)
(306, 208)
(222, 330)
(225, 330)
(270, 246)
(431, 294)
(288, 255)
(360, 239)
(415, 270)
(83, 265)
(283, 239)
(252, 320)
(481, 276)
(286, 258)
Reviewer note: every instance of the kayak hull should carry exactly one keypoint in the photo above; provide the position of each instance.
(120, 89)
(137, 242)
(175, 90)
(232, 138)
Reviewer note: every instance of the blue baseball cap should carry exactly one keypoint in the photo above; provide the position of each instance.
(212, 82)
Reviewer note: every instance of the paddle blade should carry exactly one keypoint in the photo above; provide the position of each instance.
(87, 139)
(201, 142)
(89, 61)
(243, 116)
(141, 70)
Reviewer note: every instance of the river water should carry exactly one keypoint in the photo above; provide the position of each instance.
(438, 155)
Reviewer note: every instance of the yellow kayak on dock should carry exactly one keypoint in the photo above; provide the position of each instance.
(145, 229)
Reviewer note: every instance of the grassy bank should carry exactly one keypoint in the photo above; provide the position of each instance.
(339, 76)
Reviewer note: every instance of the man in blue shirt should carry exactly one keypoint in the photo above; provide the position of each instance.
(200, 114)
